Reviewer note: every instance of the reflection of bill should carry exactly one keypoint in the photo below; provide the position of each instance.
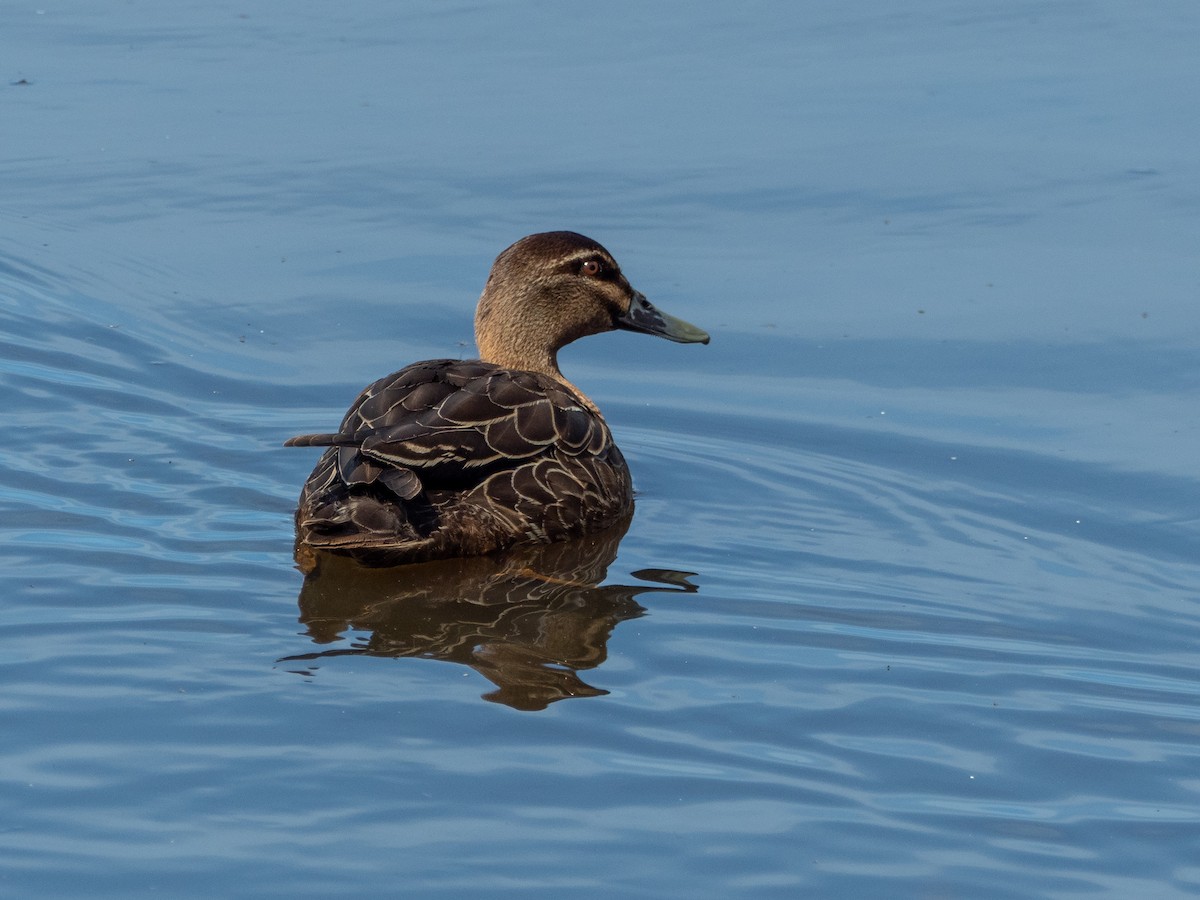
(527, 620)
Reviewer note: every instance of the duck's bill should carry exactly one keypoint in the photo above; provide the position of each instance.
(643, 316)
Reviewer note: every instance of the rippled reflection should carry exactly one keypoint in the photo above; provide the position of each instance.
(527, 620)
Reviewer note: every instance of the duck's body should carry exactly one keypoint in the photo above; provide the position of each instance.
(451, 458)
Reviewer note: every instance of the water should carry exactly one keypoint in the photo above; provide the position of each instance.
(935, 475)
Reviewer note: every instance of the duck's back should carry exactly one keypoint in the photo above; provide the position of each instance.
(456, 458)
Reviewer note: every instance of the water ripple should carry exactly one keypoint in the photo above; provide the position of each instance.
(913, 656)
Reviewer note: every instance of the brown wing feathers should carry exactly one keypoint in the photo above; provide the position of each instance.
(454, 415)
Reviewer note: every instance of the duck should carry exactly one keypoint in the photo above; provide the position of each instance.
(452, 458)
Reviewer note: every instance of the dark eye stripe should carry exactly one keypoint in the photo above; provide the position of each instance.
(577, 264)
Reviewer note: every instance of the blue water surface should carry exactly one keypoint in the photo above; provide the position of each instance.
(935, 475)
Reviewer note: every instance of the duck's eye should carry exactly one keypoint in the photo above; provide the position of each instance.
(591, 267)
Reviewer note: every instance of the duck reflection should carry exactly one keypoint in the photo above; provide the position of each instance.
(528, 620)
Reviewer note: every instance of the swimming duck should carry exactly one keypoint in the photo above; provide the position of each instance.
(455, 458)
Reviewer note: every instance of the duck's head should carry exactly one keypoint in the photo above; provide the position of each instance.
(548, 289)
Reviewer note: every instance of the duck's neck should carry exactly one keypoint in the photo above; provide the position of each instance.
(527, 358)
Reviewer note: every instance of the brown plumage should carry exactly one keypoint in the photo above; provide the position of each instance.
(450, 458)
